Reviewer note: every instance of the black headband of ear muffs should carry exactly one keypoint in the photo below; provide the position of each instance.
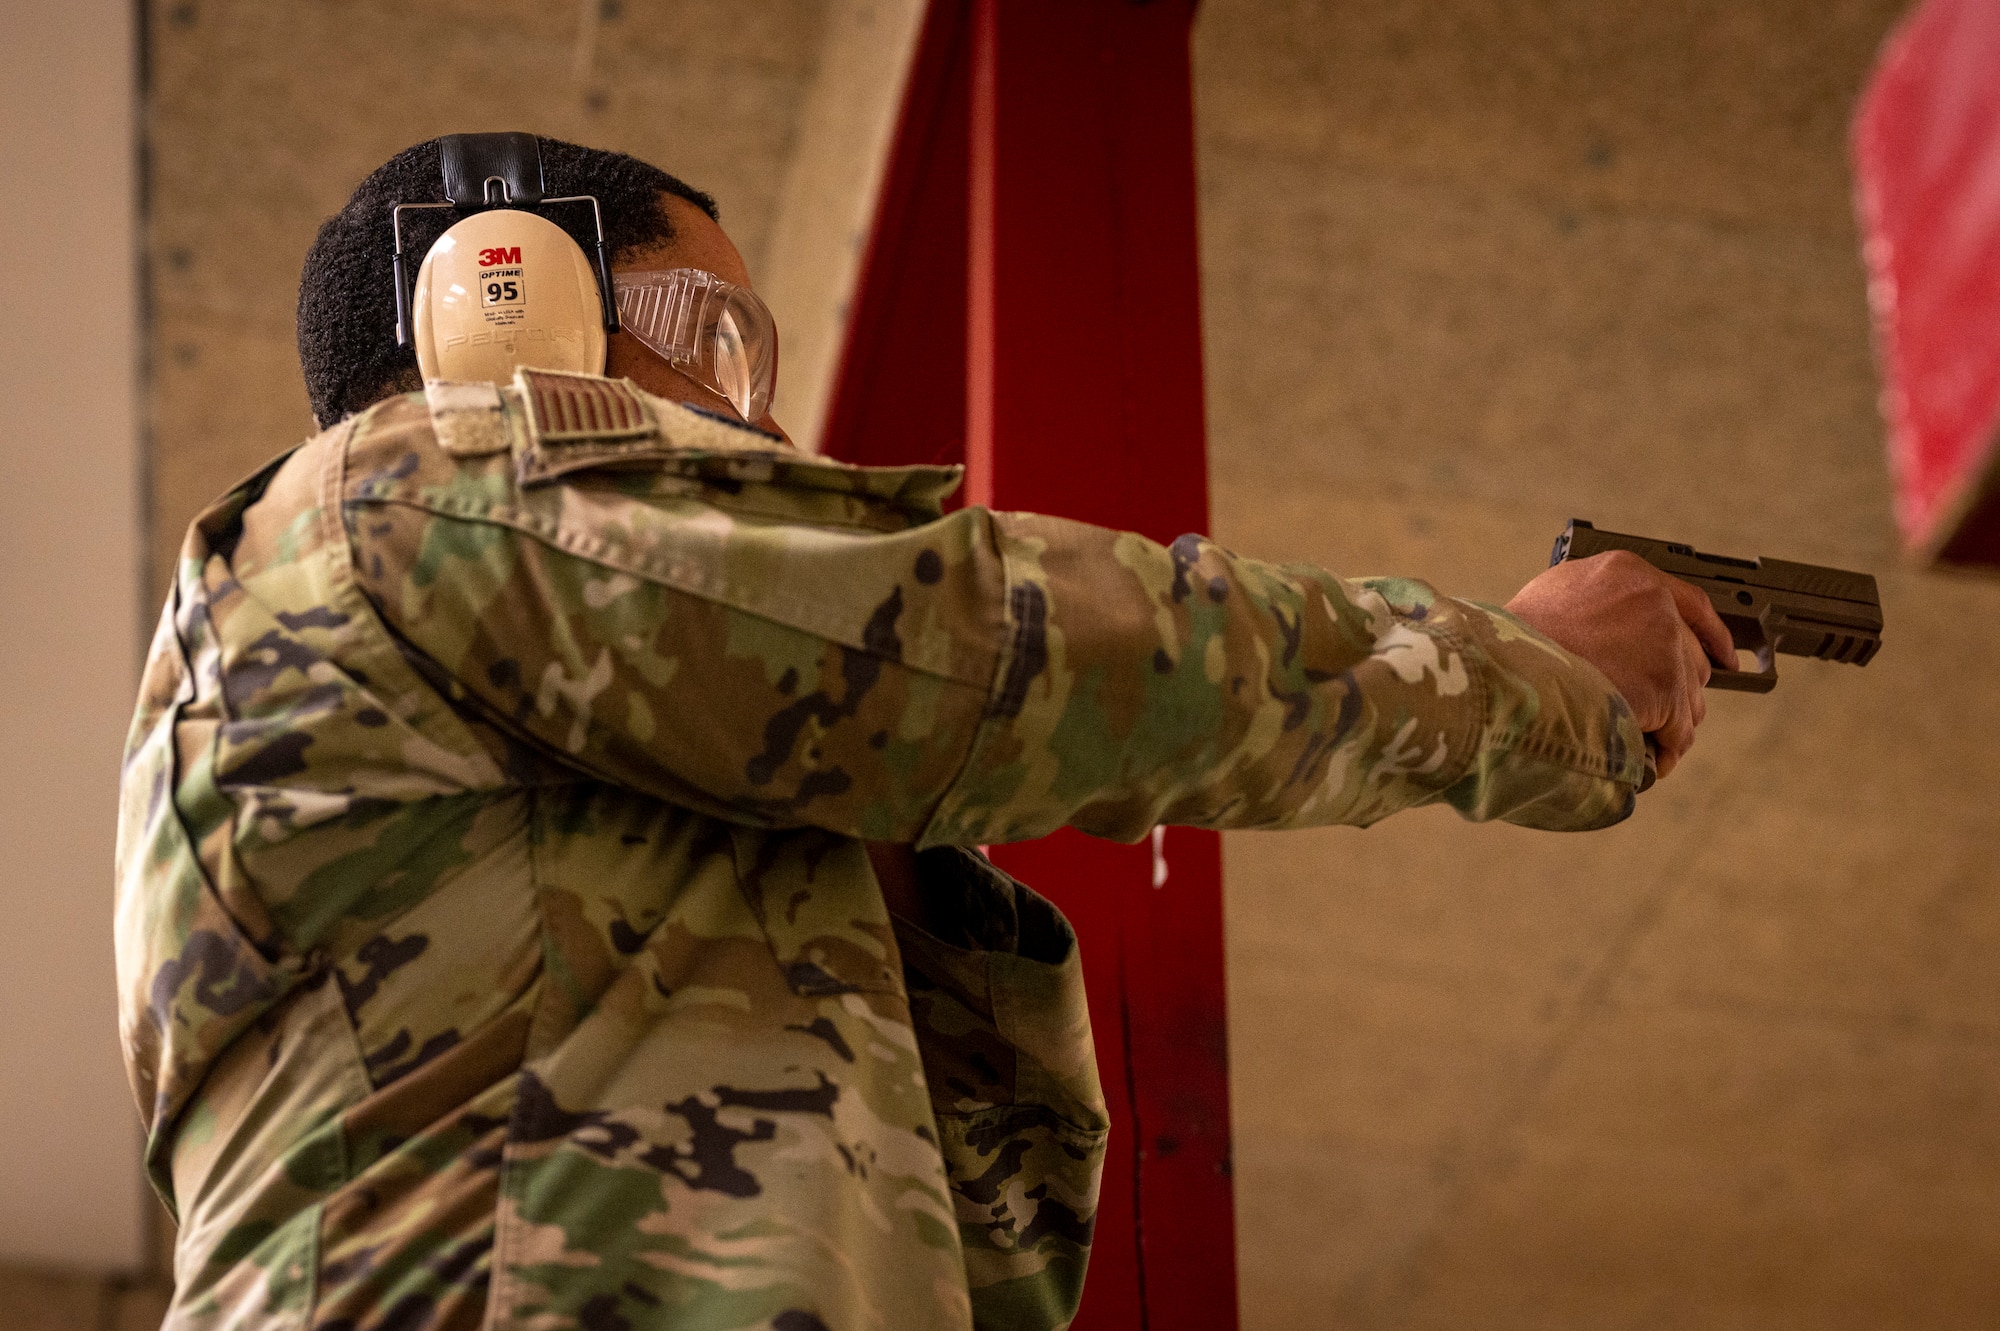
(495, 171)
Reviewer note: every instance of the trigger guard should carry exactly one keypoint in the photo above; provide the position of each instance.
(1749, 633)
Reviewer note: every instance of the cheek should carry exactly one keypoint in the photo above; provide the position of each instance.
(626, 357)
(622, 354)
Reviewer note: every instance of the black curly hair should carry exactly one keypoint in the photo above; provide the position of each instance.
(347, 301)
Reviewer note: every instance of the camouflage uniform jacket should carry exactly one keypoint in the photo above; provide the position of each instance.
(496, 942)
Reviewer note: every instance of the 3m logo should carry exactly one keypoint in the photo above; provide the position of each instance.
(502, 254)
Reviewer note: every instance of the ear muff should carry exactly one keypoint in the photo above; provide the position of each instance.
(504, 289)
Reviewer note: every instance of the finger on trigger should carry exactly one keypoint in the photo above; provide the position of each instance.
(1708, 627)
(1699, 667)
(1696, 678)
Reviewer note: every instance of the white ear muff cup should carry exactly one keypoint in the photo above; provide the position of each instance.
(505, 289)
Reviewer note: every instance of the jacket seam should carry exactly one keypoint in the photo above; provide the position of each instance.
(1507, 738)
(360, 1064)
(345, 590)
(311, 1313)
(603, 553)
(991, 719)
(500, 1280)
(1482, 686)
(159, 1129)
(1560, 752)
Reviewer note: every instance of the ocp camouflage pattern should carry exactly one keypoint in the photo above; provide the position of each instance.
(496, 941)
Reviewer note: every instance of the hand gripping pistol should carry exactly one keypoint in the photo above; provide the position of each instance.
(1770, 605)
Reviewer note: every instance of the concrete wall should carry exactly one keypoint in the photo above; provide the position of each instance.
(263, 117)
(70, 550)
(826, 211)
(1472, 268)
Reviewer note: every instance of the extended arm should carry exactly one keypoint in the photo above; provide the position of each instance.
(977, 678)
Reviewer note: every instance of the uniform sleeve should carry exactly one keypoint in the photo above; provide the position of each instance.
(978, 678)
(1145, 684)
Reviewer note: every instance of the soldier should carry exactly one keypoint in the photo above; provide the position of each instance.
(548, 893)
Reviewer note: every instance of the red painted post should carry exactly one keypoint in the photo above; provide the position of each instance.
(1085, 399)
(1045, 161)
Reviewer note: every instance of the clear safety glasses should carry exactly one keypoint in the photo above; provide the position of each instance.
(715, 332)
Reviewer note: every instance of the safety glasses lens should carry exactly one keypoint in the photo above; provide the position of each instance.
(718, 334)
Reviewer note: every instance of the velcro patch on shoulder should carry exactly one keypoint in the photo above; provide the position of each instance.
(467, 418)
(581, 406)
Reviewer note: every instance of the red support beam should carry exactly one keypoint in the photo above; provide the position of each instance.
(1030, 303)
